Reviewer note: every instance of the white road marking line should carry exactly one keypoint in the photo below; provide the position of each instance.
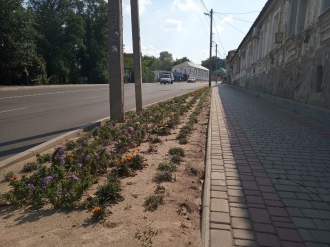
(19, 96)
(92, 97)
(13, 110)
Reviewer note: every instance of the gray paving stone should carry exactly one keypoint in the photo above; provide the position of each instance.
(320, 205)
(220, 226)
(320, 224)
(239, 212)
(321, 236)
(297, 203)
(286, 194)
(217, 175)
(243, 234)
(218, 217)
(220, 238)
(247, 243)
(241, 223)
(219, 205)
(305, 235)
(316, 214)
(303, 223)
(294, 212)
(218, 182)
(219, 194)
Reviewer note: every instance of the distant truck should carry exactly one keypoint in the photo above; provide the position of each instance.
(166, 78)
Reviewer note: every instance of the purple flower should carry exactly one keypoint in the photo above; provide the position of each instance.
(79, 164)
(29, 186)
(96, 154)
(60, 148)
(40, 166)
(133, 136)
(96, 127)
(75, 177)
(87, 157)
(130, 128)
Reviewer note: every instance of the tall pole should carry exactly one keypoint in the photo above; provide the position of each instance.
(216, 60)
(210, 72)
(116, 61)
(137, 54)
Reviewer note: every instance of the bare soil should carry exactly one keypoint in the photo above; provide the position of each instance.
(175, 223)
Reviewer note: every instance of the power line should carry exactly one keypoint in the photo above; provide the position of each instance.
(235, 18)
(204, 5)
(219, 36)
(238, 13)
(200, 19)
(231, 25)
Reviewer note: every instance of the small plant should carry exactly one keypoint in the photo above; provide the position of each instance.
(145, 236)
(170, 167)
(137, 162)
(176, 159)
(70, 145)
(155, 139)
(99, 212)
(30, 166)
(183, 141)
(10, 176)
(163, 176)
(160, 189)
(153, 201)
(152, 148)
(111, 192)
(177, 151)
(123, 170)
(43, 158)
(128, 206)
(194, 171)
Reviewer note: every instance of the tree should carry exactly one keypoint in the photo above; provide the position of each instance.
(17, 43)
(180, 60)
(147, 74)
(206, 63)
(166, 60)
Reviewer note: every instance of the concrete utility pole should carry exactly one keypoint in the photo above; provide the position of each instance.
(116, 61)
(216, 61)
(210, 73)
(137, 53)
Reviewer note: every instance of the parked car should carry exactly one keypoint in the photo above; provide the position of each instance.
(191, 80)
(166, 78)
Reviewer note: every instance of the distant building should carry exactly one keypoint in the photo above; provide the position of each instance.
(189, 69)
(286, 52)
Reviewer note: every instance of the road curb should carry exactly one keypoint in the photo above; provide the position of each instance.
(57, 140)
(49, 144)
(205, 227)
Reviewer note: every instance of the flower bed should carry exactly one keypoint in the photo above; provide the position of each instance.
(62, 177)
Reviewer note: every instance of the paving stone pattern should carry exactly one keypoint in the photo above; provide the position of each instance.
(270, 175)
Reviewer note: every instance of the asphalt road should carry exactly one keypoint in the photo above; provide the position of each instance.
(32, 115)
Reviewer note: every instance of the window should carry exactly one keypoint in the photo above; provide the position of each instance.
(297, 16)
(325, 5)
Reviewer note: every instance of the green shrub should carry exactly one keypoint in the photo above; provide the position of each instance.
(153, 201)
(163, 176)
(177, 150)
(176, 159)
(30, 166)
(183, 141)
(111, 192)
(170, 167)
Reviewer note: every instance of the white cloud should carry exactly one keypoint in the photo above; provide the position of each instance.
(171, 24)
(150, 50)
(142, 6)
(185, 5)
(219, 28)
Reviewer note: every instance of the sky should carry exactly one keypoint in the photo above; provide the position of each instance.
(181, 27)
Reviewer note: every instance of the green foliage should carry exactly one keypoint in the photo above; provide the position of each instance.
(176, 159)
(183, 141)
(177, 151)
(153, 201)
(163, 176)
(30, 166)
(167, 166)
(110, 193)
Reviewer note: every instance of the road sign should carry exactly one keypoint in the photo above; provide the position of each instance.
(128, 61)
(219, 63)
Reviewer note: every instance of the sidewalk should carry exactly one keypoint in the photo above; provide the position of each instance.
(269, 175)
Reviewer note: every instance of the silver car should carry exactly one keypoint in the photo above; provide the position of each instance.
(191, 80)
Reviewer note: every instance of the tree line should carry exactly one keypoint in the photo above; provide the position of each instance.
(61, 42)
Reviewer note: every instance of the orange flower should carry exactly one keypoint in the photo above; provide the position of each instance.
(70, 155)
(138, 149)
(133, 150)
(12, 178)
(95, 210)
(129, 157)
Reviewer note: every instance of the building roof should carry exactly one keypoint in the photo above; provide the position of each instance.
(190, 64)
(220, 71)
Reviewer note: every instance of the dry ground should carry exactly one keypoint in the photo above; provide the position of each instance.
(175, 223)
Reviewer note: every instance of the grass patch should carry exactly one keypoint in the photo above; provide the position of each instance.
(177, 151)
(167, 166)
(183, 141)
(176, 159)
(30, 166)
(163, 176)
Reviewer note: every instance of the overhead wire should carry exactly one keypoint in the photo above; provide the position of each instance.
(238, 13)
(230, 25)
(200, 19)
(234, 18)
(219, 37)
